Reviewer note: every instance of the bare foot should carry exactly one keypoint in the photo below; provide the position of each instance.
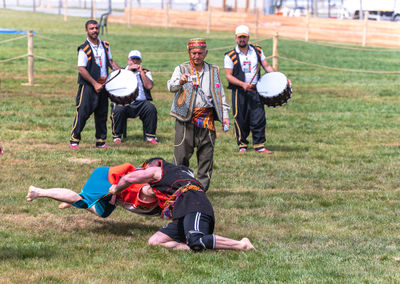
(246, 244)
(32, 193)
(64, 205)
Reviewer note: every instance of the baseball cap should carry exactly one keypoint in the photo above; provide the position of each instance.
(242, 30)
(135, 54)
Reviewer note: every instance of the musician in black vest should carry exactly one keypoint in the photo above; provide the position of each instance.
(94, 59)
(191, 212)
(242, 70)
(141, 107)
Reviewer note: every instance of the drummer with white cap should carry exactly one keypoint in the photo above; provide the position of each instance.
(141, 107)
(242, 70)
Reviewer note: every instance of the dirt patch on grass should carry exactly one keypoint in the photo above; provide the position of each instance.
(83, 160)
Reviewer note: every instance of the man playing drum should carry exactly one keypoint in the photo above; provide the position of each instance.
(141, 107)
(199, 99)
(94, 59)
(242, 65)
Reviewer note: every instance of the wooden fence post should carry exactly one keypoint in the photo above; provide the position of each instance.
(129, 13)
(365, 29)
(94, 10)
(65, 10)
(257, 22)
(307, 26)
(275, 52)
(30, 59)
(209, 17)
(167, 14)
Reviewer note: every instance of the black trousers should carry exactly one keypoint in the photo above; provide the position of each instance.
(145, 110)
(249, 115)
(88, 102)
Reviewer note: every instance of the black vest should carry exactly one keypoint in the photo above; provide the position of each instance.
(92, 67)
(237, 68)
(173, 177)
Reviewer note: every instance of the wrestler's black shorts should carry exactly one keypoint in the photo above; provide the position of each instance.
(196, 221)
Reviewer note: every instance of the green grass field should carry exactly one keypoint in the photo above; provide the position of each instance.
(324, 208)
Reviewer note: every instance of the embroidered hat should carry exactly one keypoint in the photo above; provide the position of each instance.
(242, 30)
(196, 43)
(135, 54)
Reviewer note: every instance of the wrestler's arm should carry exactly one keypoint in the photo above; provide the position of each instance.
(139, 176)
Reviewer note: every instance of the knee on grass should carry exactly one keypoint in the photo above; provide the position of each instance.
(198, 241)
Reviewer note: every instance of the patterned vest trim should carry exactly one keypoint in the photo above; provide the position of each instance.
(237, 68)
(185, 99)
(92, 67)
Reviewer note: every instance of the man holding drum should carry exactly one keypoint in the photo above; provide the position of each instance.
(94, 59)
(199, 99)
(242, 66)
(141, 107)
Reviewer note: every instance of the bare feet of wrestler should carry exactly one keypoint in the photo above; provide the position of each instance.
(33, 193)
(247, 244)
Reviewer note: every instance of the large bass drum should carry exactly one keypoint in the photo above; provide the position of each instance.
(121, 86)
(274, 89)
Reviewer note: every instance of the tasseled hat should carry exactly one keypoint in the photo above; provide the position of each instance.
(196, 43)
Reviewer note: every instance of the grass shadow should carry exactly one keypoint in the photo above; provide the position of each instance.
(122, 228)
(26, 251)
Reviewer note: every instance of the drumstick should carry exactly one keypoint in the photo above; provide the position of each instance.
(108, 81)
(258, 69)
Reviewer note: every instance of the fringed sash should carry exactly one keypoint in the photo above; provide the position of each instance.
(170, 203)
(203, 118)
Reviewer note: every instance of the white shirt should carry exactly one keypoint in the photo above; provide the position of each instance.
(141, 96)
(99, 56)
(248, 62)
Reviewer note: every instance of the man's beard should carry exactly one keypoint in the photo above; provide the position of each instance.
(242, 45)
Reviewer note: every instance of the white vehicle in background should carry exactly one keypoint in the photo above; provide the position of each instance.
(377, 9)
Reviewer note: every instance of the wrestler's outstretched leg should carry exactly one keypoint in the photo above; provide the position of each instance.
(59, 194)
(226, 243)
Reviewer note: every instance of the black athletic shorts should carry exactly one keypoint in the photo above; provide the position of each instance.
(194, 221)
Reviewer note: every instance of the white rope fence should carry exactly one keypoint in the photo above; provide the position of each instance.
(274, 55)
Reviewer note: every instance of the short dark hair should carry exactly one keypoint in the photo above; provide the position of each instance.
(91, 22)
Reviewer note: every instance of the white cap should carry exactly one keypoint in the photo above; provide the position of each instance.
(242, 30)
(135, 54)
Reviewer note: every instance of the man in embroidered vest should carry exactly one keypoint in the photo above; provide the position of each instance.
(199, 100)
(187, 205)
(94, 59)
(242, 72)
(141, 107)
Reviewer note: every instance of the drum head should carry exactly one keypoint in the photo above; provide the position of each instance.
(272, 84)
(121, 83)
